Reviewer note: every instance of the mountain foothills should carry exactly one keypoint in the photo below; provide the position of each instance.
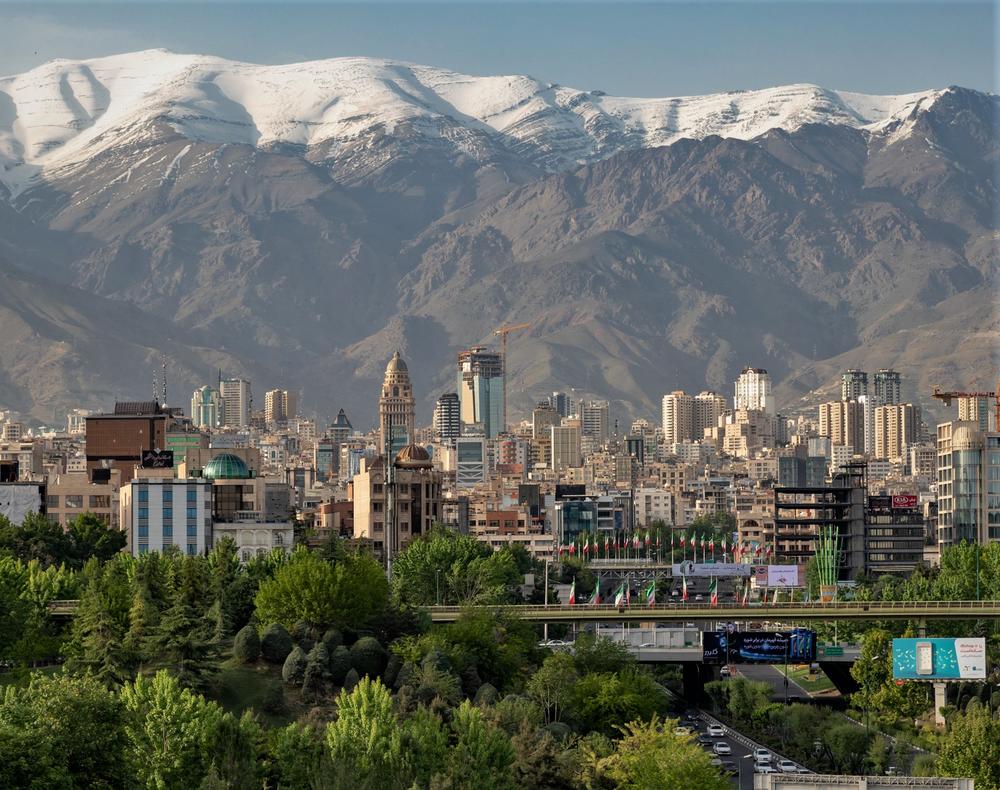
(296, 224)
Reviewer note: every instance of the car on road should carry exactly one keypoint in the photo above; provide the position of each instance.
(715, 761)
(730, 767)
(699, 597)
(647, 644)
(764, 768)
(682, 730)
(704, 740)
(761, 755)
(721, 747)
(555, 643)
(787, 767)
(725, 672)
(716, 730)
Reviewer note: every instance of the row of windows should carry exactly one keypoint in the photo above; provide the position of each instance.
(167, 513)
(192, 549)
(73, 501)
(167, 494)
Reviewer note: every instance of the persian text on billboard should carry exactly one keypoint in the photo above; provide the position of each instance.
(689, 568)
(766, 647)
(782, 575)
(939, 659)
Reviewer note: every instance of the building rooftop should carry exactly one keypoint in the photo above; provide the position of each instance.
(226, 467)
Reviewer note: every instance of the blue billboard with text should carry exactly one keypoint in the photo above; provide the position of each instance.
(762, 647)
(939, 659)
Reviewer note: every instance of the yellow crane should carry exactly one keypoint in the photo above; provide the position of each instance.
(502, 333)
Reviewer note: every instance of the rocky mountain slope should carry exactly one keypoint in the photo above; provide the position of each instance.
(298, 223)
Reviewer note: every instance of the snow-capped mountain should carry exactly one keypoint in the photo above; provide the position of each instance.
(297, 224)
(66, 112)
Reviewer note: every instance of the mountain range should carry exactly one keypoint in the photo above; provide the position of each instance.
(296, 224)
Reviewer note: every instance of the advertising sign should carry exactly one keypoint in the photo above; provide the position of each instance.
(157, 459)
(762, 647)
(688, 568)
(782, 575)
(879, 502)
(904, 501)
(827, 593)
(939, 659)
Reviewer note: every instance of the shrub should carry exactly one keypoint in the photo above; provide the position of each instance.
(246, 646)
(405, 675)
(273, 701)
(368, 657)
(300, 630)
(340, 664)
(333, 639)
(275, 644)
(294, 667)
(392, 670)
(486, 695)
(351, 680)
(317, 672)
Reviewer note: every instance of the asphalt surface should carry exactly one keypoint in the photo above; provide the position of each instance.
(774, 676)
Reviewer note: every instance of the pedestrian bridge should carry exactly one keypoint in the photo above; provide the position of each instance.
(786, 613)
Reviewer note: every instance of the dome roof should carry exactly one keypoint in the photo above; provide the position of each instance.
(966, 438)
(396, 365)
(413, 456)
(226, 467)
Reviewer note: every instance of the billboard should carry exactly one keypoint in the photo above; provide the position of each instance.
(881, 502)
(688, 568)
(157, 459)
(939, 659)
(782, 575)
(762, 647)
(904, 501)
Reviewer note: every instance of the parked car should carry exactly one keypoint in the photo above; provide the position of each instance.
(787, 767)
(761, 755)
(716, 730)
(721, 747)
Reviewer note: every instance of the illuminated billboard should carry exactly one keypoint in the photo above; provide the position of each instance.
(782, 575)
(688, 568)
(761, 647)
(939, 659)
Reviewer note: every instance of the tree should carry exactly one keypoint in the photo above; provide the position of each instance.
(972, 748)
(90, 536)
(317, 674)
(482, 755)
(275, 644)
(36, 538)
(294, 668)
(746, 698)
(101, 623)
(368, 657)
(80, 725)
(425, 740)
(365, 741)
(311, 589)
(455, 569)
(603, 701)
(301, 757)
(246, 646)
(552, 685)
(235, 750)
(849, 746)
(649, 755)
(598, 654)
(170, 731)
(878, 692)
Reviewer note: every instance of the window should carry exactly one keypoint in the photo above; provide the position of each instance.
(144, 512)
(192, 513)
(192, 494)
(103, 501)
(168, 494)
(52, 501)
(192, 530)
(143, 530)
(73, 500)
(143, 548)
(279, 539)
(192, 549)
(168, 531)
(143, 495)
(168, 514)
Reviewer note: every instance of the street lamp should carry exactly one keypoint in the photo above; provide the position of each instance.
(437, 585)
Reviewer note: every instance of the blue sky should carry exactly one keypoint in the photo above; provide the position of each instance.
(638, 49)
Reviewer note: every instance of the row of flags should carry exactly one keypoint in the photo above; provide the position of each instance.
(623, 595)
(618, 544)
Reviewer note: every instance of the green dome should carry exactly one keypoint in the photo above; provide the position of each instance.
(226, 467)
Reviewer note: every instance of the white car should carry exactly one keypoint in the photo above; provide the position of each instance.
(721, 747)
(787, 767)
(761, 755)
(716, 730)
(682, 731)
(764, 768)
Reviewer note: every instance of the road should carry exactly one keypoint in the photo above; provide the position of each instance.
(774, 676)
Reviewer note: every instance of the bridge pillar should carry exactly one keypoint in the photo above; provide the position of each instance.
(695, 676)
(922, 627)
(839, 673)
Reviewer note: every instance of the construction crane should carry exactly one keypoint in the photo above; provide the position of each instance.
(947, 397)
(502, 333)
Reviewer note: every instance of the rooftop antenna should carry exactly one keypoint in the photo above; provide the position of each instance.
(163, 379)
(155, 388)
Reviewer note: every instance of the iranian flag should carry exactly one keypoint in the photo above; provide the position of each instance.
(648, 539)
(572, 593)
(620, 595)
(711, 544)
(713, 591)
(683, 540)
(596, 597)
(746, 594)
(651, 594)
(684, 588)
(572, 549)
(635, 540)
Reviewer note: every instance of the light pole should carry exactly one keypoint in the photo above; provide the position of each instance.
(437, 585)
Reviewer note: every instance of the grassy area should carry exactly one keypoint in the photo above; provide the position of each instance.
(240, 687)
(22, 678)
(813, 682)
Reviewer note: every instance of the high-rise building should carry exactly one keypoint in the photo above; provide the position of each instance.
(117, 440)
(206, 408)
(843, 422)
(853, 384)
(396, 408)
(565, 444)
(543, 417)
(980, 410)
(678, 417)
(595, 418)
(236, 402)
(897, 426)
(447, 418)
(470, 461)
(340, 429)
(968, 484)
(280, 406)
(708, 408)
(887, 386)
(562, 403)
(481, 390)
(753, 391)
